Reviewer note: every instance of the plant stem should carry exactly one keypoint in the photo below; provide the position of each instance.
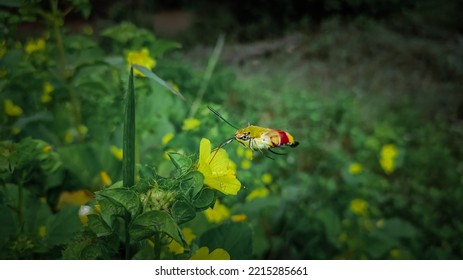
(128, 138)
(127, 236)
(56, 21)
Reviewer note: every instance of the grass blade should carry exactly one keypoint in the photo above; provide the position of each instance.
(128, 161)
(150, 75)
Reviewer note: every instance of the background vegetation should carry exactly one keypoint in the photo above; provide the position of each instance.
(371, 90)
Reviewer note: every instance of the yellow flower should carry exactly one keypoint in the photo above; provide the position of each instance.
(11, 109)
(73, 198)
(190, 124)
(266, 178)
(176, 248)
(42, 231)
(97, 208)
(239, 218)
(105, 179)
(117, 153)
(84, 211)
(203, 254)
(47, 149)
(248, 154)
(166, 139)
(47, 90)
(35, 45)
(141, 57)
(218, 170)
(387, 159)
(359, 206)
(69, 136)
(257, 193)
(240, 151)
(245, 164)
(217, 214)
(355, 168)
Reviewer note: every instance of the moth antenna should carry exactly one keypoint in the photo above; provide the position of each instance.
(222, 118)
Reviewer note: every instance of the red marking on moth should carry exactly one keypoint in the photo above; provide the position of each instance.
(283, 137)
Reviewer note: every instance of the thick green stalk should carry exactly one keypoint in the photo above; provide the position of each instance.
(128, 161)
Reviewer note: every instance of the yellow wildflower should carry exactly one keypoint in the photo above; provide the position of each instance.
(83, 129)
(266, 178)
(355, 168)
(117, 153)
(239, 218)
(217, 214)
(42, 231)
(84, 211)
(105, 179)
(217, 169)
(47, 90)
(166, 139)
(248, 154)
(245, 164)
(257, 193)
(176, 248)
(35, 45)
(11, 109)
(69, 136)
(203, 254)
(190, 124)
(79, 197)
(240, 151)
(387, 159)
(359, 206)
(47, 149)
(141, 57)
(97, 208)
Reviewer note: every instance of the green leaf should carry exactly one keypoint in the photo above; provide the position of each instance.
(151, 222)
(62, 226)
(181, 162)
(235, 238)
(8, 228)
(122, 197)
(98, 226)
(332, 224)
(204, 199)
(182, 212)
(192, 183)
(149, 74)
(128, 161)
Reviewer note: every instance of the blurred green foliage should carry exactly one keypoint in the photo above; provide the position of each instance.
(370, 180)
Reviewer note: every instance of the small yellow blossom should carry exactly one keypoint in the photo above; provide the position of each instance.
(42, 231)
(217, 169)
(105, 179)
(11, 109)
(266, 178)
(248, 154)
(35, 45)
(47, 90)
(69, 136)
(203, 254)
(359, 206)
(395, 253)
(176, 248)
(47, 149)
(117, 153)
(190, 124)
(245, 164)
(166, 139)
(142, 58)
(83, 129)
(15, 130)
(239, 218)
(257, 193)
(217, 214)
(355, 168)
(387, 159)
(97, 208)
(240, 151)
(79, 197)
